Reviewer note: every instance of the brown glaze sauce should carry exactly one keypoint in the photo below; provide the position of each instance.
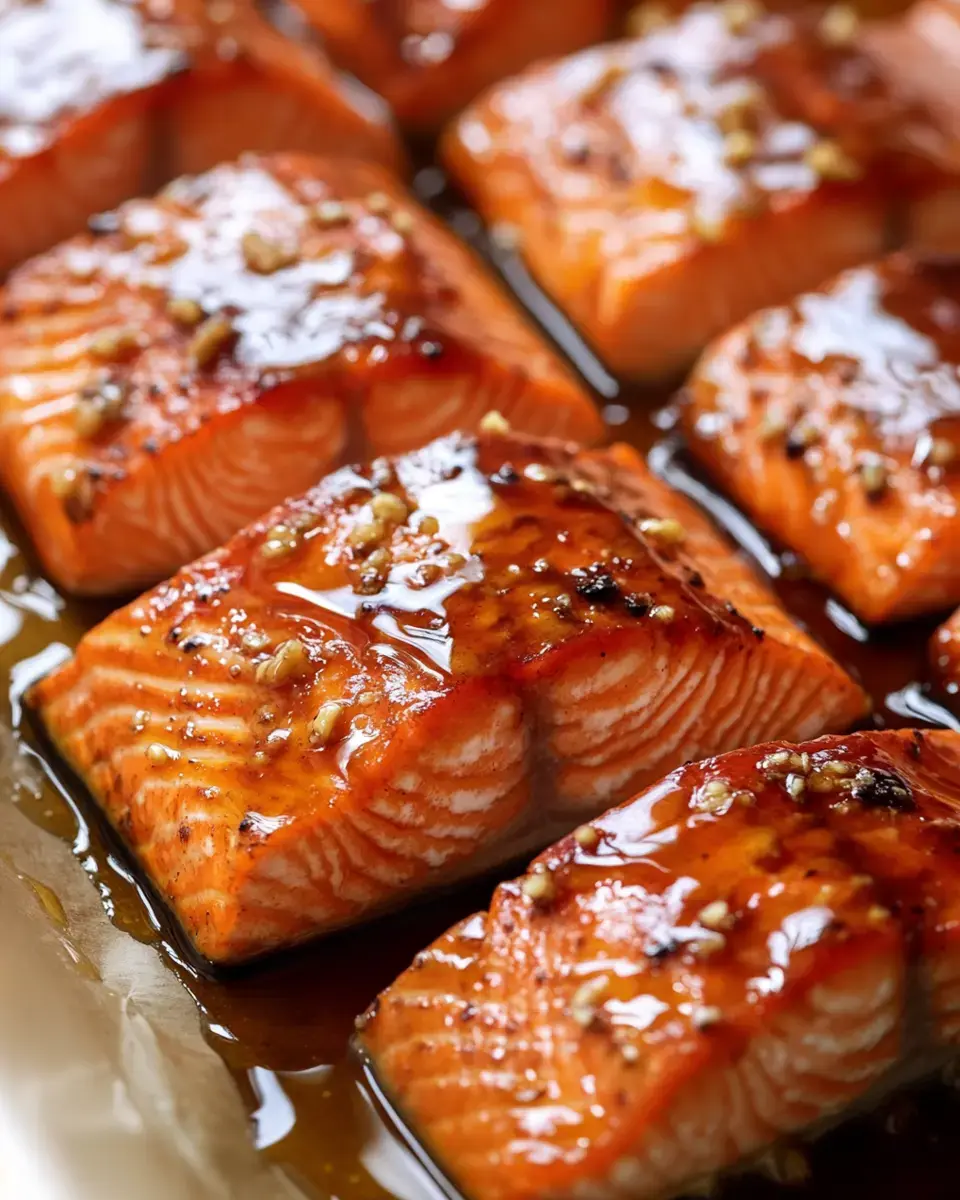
(283, 1025)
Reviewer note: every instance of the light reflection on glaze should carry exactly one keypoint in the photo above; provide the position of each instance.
(635, 132)
(60, 57)
(458, 504)
(907, 357)
(639, 1013)
(897, 325)
(800, 930)
(847, 401)
(851, 322)
(671, 122)
(303, 313)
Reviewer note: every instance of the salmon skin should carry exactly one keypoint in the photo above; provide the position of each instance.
(171, 376)
(430, 58)
(835, 423)
(662, 188)
(100, 99)
(721, 962)
(416, 670)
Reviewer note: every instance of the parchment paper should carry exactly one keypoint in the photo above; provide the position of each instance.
(107, 1089)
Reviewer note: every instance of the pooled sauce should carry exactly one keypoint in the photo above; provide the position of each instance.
(283, 1025)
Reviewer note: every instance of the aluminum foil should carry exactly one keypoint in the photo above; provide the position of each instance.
(108, 1090)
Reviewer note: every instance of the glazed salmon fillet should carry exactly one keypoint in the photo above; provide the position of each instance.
(419, 668)
(662, 188)
(430, 58)
(100, 99)
(835, 423)
(724, 960)
(921, 53)
(170, 376)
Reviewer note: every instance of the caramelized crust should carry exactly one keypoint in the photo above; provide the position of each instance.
(101, 98)
(722, 961)
(170, 376)
(662, 188)
(430, 58)
(835, 422)
(418, 669)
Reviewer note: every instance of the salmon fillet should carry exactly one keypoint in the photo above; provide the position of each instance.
(742, 952)
(835, 423)
(170, 376)
(921, 53)
(100, 99)
(419, 668)
(430, 58)
(662, 188)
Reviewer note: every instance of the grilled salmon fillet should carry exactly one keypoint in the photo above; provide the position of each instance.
(430, 58)
(835, 423)
(170, 376)
(662, 188)
(100, 99)
(417, 669)
(722, 961)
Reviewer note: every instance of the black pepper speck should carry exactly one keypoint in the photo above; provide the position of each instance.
(883, 789)
(638, 604)
(599, 589)
(507, 474)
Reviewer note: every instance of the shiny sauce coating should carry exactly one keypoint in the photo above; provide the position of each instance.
(283, 696)
(723, 113)
(312, 272)
(848, 397)
(306, 305)
(283, 1026)
(659, 945)
(61, 58)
